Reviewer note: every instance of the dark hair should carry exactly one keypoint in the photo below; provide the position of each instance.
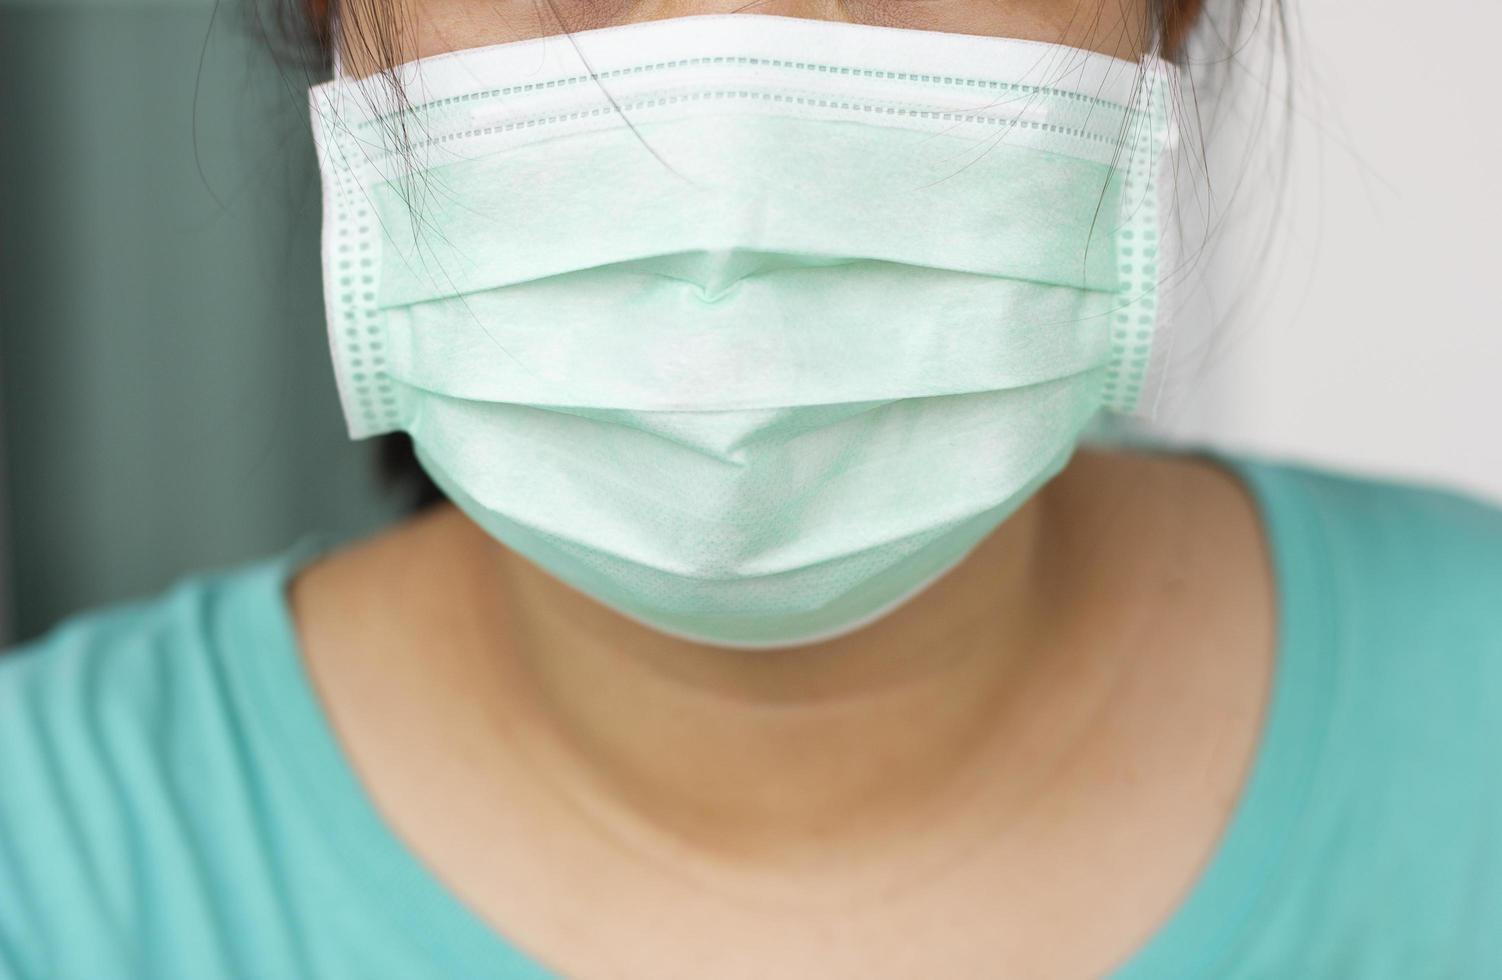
(399, 471)
(303, 32)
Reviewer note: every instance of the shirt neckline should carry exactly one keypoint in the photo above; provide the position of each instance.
(1200, 937)
(391, 876)
(1196, 937)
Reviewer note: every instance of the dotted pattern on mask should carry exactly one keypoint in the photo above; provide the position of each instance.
(1135, 322)
(736, 61)
(810, 101)
(356, 326)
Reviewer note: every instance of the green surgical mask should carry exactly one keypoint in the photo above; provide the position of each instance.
(748, 327)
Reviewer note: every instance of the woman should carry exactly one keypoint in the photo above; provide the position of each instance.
(777, 624)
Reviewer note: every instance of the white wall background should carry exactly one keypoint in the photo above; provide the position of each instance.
(1370, 338)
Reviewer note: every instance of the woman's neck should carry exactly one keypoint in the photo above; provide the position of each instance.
(790, 758)
(1080, 698)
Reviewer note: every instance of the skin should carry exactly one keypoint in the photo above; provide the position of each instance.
(1019, 773)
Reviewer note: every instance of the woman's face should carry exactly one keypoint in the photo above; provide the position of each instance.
(420, 28)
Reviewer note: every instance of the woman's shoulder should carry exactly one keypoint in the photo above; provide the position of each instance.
(120, 730)
(119, 653)
(1391, 607)
(1368, 831)
(1399, 548)
(122, 678)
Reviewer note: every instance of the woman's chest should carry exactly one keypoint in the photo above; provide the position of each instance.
(983, 921)
(1067, 886)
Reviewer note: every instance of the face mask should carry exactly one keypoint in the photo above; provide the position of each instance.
(748, 327)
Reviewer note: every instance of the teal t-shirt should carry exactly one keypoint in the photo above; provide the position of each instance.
(174, 803)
